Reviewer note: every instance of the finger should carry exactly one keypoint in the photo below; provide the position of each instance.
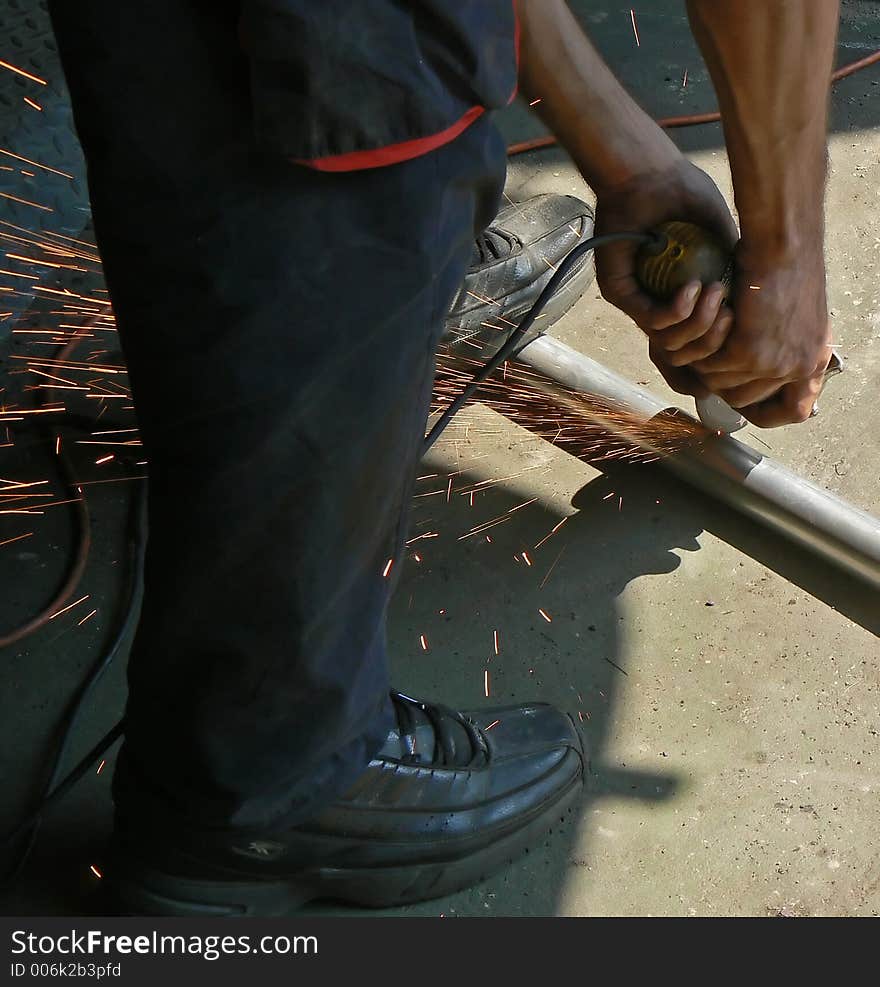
(699, 322)
(792, 405)
(649, 314)
(723, 380)
(721, 362)
(753, 393)
(681, 379)
(709, 343)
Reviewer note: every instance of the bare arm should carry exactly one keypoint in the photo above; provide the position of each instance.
(638, 174)
(606, 132)
(771, 63)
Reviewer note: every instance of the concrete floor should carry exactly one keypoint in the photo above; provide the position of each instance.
(728, 683)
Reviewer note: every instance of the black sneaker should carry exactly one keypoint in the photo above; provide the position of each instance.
(513, 260)
(449, 799)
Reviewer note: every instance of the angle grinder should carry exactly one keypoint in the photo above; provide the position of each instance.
(684, 252)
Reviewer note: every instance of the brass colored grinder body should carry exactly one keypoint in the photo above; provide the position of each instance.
(684, 253)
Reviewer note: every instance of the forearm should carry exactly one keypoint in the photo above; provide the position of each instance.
(770, 62)
(608, 135)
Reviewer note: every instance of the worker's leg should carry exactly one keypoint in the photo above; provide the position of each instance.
(282, 359)
(280, 325)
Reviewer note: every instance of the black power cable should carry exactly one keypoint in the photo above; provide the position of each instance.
(512, 343)
(27, 829)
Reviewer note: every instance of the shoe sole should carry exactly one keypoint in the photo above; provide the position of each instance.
(141, 890)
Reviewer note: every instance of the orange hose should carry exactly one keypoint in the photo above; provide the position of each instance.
(694, 119)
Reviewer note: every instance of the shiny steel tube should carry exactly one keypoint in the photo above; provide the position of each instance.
(730, 471)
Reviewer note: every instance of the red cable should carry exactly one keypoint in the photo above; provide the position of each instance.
(693, 119)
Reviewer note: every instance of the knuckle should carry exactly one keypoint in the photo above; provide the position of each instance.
(655, 322)
(676, 358)
(672, 340)
(803, 410)
(803, 367)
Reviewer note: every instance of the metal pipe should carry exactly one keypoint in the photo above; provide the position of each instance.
(730, 471)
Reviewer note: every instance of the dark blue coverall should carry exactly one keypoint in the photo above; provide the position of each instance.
(285, 194)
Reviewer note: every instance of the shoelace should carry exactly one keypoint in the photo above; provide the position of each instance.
(441, 719)
(492, 244)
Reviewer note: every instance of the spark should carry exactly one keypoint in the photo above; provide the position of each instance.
(48, 363)
(755, 287)
(494, 723)
(387, 568)
(480, 528)
(18, 274)
(87, 616)
(27, 75)
(586, 426)
(117, 479)
(430, 534)
(104, 459)
(526, 559)
(486, 682)
(35, 164)
(36, 106)
(48, 263)
(684, 79)
(57, 445)
(449, 490)
(423, 641)
(552, 567)
(535, 102)
(417, 557)
(16, 485)
(101, 766)
(495, 642)
(545, 615)
(632, 17)
(552, 532)
(27, 202)
(70, 606)
(9, 541)
(61, 380)
(95, 871)
(136, 443)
